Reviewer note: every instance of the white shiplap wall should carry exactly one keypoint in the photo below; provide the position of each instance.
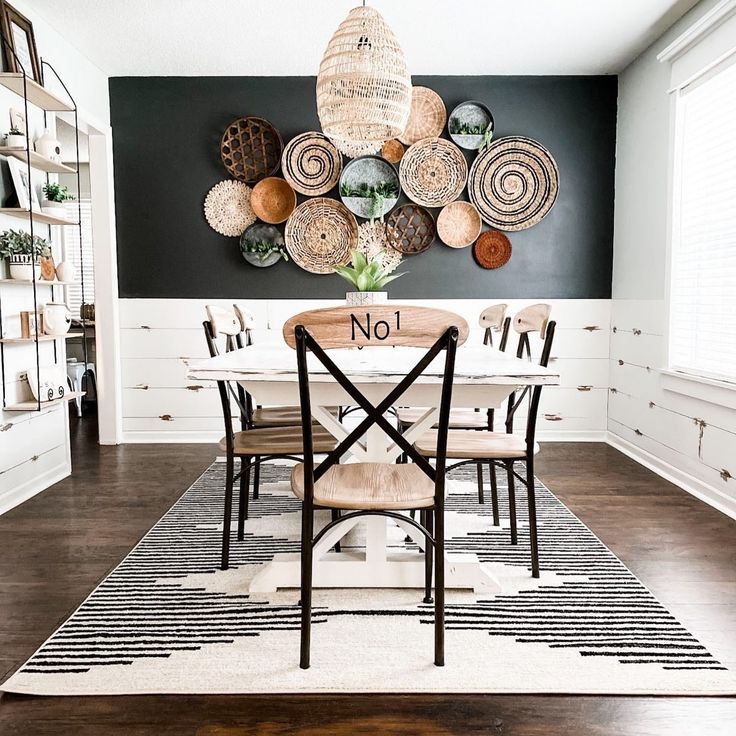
(159, 337)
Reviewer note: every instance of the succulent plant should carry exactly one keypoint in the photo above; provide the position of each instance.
(364, 274)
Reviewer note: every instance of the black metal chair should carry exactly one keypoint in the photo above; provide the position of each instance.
(504, 449)
(366, 488)
(252, 446)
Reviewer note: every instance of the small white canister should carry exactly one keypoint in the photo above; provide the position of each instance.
(57, 318)
(47, 145)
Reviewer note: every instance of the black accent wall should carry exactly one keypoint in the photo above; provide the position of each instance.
(166, 133)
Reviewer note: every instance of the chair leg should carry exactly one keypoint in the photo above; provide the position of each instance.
(335, 517)
(306, 586)
(531, 496)
(439, 589)
(512, 501)
(479, 469)
(494, 495)
(428, 553)
(243, 497)
(227, 516)
(257, 478)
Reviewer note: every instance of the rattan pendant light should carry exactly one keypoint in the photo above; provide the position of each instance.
(363, 85)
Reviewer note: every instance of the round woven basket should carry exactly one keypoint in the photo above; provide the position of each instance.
(251, 149)
(410, 229)
(393, 150)
(427, 117)
(459, 224)
(227, 207)
(433, 172)
(492, 249)
(373, 239)
(320, 234)
(273, 200)
(311, 164)
(513, 183)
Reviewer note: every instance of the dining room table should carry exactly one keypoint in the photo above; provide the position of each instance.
(484, 377)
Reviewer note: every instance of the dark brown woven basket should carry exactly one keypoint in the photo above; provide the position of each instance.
(492, 249)
(251, 149)
(410, 229)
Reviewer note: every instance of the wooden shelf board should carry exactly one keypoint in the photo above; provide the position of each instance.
(37, 160)
(41, 338)
(40, 282)
(33, 405)
(37, 95)
(38, 216)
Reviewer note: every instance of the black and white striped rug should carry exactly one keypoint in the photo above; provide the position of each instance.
(167, 620)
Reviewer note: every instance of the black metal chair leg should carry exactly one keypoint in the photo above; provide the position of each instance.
(243, 496)
(257, 478)
(531, 496)
(335, 517)
(512, 501)
(227, 516)
(494, 495)
(479, 469)
(439, 589)
(428, 554)
(306, 587)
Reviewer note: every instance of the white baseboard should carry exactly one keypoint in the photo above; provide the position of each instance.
(706, 493)
(34, 486)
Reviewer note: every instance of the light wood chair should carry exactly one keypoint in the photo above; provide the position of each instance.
(504, 449)
(494, 321)
(251, 445)
(366, 488)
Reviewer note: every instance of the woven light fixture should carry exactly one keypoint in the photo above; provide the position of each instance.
(363, 85)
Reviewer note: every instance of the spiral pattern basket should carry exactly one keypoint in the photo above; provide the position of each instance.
(373, 239)
(410, 229)
(227, 207)
(492, 249)
(311, 164)
(427, 117)
(514, 183)
(251, 149)
(433, 172)
(459, 224)
(321, 233)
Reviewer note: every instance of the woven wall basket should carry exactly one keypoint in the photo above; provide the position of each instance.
(492, 249)
(410, 229)
(459, 224)
(363, 85)
(321, 233)
(433, 172)
(393, 150)
(273, 200)
(513, 183)
(373, 239)
(227, 207)
(427, 117)
(311, 164)
(251, 149)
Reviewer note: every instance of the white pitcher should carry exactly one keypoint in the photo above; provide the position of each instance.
(57, 318)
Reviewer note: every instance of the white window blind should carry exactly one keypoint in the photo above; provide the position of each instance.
(83, 260)
(703, 285)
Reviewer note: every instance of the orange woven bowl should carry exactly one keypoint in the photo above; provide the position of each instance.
(492, 249)
(273, 200)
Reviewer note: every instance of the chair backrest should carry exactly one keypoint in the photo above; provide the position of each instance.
(534, 318)
(493, 319)
(247, 323)
(382, 325)
(225, 323)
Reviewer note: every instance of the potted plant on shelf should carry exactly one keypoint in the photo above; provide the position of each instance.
(56, 195)
(23, 253)
(368, 277)
(15, 138)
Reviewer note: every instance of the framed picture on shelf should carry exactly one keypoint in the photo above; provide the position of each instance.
(24, 189)
(19, 44)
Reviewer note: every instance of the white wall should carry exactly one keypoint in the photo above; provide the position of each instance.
(689, 440)
(34, 447)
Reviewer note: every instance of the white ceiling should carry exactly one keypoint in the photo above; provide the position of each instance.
(287, 37)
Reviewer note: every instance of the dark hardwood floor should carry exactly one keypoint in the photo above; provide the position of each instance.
(57, 546)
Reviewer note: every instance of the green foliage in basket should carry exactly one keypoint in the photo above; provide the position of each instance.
(57, 193)
(364, 274)
(263, 249)
(377, 194)
(20, 243)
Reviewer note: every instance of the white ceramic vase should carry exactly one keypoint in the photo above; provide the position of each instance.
(47, 145)
(22, 267)
(57, 318)
(66, 271)
(364, 298)
(15, 141)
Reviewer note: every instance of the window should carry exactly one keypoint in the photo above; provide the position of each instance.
(703, 281)
(83, 261)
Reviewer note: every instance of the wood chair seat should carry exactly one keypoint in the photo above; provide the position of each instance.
(465, 444)
(278, 441)
(281, 416)
(363, 486)
(459, 418)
